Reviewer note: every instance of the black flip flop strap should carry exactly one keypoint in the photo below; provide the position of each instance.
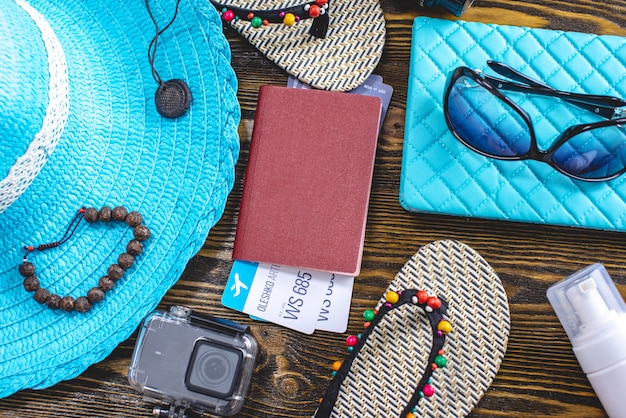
(435, 316)
(318, 29)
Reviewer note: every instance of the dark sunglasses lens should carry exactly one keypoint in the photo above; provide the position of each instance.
(594, 154)
(486, 123)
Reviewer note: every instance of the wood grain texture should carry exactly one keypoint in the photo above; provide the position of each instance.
(539, 376)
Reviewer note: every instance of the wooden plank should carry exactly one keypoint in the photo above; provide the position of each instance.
(539, 375)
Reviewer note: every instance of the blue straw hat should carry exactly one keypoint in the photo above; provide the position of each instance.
(79, 127)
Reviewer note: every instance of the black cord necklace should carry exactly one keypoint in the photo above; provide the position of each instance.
(173, 97)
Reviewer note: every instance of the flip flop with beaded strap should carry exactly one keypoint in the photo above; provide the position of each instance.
(329, 44)
(432, 346)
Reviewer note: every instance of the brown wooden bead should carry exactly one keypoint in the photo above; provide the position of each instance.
(141, 233)
(53, 301)
(90, 215)
(119, 213)
(105, 214)
(95, 294)
(31, 283)
(82, 304)
(134, 247)
(42, 295)
(27, 269)
(105, 283)
(115, 272)
(134, 218)
(67, 304)
(125, 261)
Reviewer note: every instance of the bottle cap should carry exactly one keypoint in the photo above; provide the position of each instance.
(586, 302)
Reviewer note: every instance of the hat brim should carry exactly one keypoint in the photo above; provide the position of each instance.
(117, 150)
(341, 61)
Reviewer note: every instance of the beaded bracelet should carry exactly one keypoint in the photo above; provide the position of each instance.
(114, 272)
(435, 309)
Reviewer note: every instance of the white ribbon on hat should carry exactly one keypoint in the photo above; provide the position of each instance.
(26, 167)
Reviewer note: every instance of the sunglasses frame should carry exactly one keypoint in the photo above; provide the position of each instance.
(605, 106)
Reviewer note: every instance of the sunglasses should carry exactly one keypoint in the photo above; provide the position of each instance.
(490, 123)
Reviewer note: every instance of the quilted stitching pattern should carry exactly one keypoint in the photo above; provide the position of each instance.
(440, 175)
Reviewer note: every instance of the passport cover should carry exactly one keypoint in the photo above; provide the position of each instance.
(307, 184)
(440, 175)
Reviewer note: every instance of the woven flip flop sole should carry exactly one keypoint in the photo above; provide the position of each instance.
(340, 61)
(386, 371)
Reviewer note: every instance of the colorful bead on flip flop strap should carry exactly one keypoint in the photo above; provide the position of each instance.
(316, 10)
(435, 309)
(114, 272)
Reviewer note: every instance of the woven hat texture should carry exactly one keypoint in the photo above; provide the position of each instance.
(340, 61)
(386, 371)
(79, 127)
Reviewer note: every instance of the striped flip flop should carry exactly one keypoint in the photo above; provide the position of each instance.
(432, 346)
(329, 44)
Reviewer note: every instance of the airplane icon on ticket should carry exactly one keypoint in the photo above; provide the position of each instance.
(238, 285)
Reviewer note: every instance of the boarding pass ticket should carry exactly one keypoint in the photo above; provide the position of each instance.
(299, 299)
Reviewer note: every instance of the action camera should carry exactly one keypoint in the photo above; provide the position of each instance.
(192, 362)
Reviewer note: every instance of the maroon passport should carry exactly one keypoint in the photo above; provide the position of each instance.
(307, 184)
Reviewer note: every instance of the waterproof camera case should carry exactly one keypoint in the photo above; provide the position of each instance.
(192, 362)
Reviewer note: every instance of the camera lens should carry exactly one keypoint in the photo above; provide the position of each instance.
(213, 369)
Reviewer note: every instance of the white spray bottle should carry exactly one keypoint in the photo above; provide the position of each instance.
(593, 314)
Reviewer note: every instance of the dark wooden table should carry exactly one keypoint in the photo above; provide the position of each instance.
(539, 375)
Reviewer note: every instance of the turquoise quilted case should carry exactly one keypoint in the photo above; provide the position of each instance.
(440, 175)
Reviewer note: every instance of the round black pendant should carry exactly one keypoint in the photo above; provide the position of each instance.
(173, 98)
